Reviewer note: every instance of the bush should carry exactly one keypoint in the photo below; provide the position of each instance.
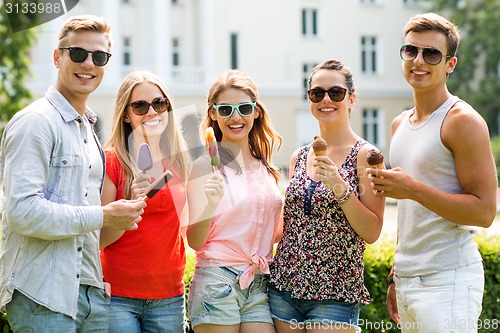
(495, 148)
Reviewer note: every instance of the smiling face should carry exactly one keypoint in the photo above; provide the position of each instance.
(235, 128)
(418, 73)
(76, 81)
(327, 110)
(152, 123)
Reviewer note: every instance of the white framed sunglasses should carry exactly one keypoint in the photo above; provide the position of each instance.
(226, 110)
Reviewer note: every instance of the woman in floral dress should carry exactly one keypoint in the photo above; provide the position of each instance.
(330, 214)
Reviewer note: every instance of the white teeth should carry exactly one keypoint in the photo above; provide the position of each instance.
(327, 110)
(419, 73)
(236, 126)
(152, 122)
(84, 76)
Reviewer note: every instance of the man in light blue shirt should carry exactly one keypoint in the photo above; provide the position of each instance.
(52, 168)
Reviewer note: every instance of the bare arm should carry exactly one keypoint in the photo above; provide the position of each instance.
(109, 231)
(108, 235)
(204, 190)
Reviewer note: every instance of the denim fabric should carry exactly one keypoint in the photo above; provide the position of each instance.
(444, 302)
(44, 169)
(93, 308)
(215, 297)
(132, 315)
(297, 311)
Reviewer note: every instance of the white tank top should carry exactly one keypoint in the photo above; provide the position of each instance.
(427, 243)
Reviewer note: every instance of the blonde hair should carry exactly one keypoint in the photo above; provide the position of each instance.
(84, 23)
(262, 136)
(172, 142)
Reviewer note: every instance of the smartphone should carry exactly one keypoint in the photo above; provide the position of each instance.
(158, 184)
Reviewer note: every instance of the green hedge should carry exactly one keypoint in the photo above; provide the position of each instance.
(495, 148)
(378, 260)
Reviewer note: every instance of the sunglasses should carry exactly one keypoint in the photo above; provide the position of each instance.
(159, 104)
(336, 94)
(431, 55)
(226, 110)
(79, 55)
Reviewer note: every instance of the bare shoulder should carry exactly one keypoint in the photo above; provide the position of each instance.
(463, 121)
(293, 161)
(399, 118)
(464, 129)
(201, 167)
(463, 114)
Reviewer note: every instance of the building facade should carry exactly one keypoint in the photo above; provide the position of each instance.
(189, 42)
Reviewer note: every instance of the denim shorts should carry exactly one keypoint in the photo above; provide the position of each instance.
(327, 313)
(215, 297)
(134, 315)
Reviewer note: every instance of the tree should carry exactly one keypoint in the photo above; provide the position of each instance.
(476, 79)
(14, 64)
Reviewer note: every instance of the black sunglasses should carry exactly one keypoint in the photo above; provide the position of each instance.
(79, 55)
(159, 104)
(336, 94)
(431, 55)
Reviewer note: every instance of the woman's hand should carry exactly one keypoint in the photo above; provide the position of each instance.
(328, 173)
(139, 185)
(214, 189)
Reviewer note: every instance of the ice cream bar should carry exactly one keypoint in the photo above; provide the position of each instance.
(375, 158)
(144, 158)
(319, 146)
(213, 151)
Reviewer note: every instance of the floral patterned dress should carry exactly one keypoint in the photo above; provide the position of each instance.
(320, 256)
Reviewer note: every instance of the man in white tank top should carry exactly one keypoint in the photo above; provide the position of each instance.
(443, 175)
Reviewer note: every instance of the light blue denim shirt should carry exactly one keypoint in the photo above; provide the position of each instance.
(44, 170)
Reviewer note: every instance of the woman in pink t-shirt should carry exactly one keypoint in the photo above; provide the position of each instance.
(145, 267)
(234, 212)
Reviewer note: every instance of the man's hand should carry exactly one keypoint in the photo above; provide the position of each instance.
(123, 214)
(392, 304)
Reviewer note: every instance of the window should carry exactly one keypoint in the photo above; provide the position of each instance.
(373, 126)
(234, 51)
(127, 61)
(175, 52)
(306, 71)
(309, 22)
(369, 55)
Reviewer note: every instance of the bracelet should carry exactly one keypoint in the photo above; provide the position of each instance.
(390, 281)
(345, 196)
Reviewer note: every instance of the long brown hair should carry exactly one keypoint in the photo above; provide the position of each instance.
(172, 142)
(262, 136)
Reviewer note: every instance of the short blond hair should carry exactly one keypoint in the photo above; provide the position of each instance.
(84, 23)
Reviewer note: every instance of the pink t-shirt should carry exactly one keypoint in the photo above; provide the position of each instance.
(243, 230)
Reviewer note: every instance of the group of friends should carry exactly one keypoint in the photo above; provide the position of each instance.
(83, 249)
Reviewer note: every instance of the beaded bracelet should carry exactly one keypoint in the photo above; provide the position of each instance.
(345, 196)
